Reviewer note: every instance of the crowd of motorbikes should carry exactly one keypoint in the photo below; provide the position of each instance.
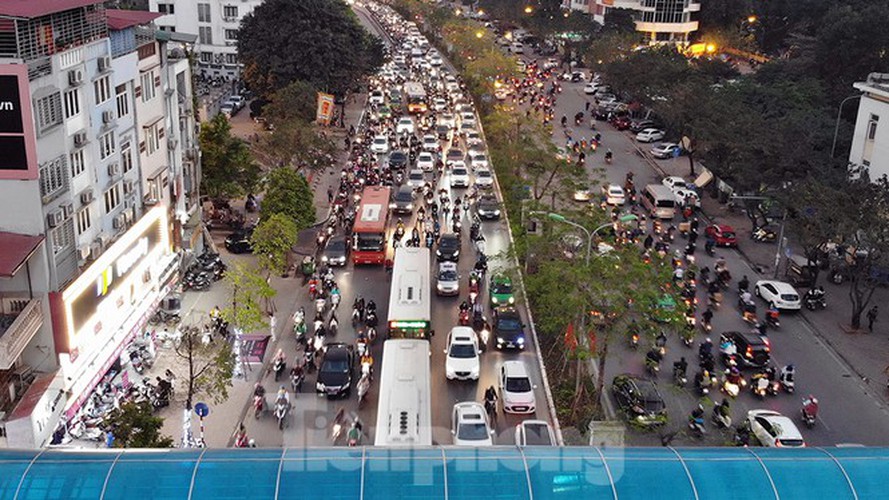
(207, 269)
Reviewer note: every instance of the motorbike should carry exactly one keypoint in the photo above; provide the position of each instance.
(703, 382)
(281, 410)
(679, 377)
(464, 317)
(764, 235)
(354, 434)
(759, 385)
(696, 422)
(258, 405)
(721, 421)
(810, 411)
(279, 367)
(786, 378)
(363, 387)
(197, 281)
(814, 301)
(296, 381)
(634, 340)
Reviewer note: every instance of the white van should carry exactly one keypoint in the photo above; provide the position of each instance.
(517, 48)
(659, 200)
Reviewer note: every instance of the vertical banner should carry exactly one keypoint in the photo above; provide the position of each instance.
(325, 108)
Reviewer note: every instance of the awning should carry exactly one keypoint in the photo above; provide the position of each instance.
(15, 250)
(704, 179)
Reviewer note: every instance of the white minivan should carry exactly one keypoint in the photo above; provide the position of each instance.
(659, 200)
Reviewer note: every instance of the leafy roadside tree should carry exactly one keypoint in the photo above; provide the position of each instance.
(208, 364)
(295, 144)
(272, 241)
(288, 193)
(227, 167)
(316, 41)
(134, 425)
(621, 21)
(295, 101)
(648, 75)
(250, 294)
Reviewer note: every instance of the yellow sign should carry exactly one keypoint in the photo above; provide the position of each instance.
(325, 108)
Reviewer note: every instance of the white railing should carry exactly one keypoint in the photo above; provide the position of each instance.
(70, 58)
(21, 331)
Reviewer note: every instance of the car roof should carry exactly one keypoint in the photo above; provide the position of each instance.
(469, 407)
(515, 368)
(779, 285)
(336, 350)
(786, 426)
(537, 432)
(751, 338)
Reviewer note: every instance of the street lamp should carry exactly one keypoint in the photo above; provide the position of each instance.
(751, 19)
(479, 34)
(836, 128)
(589, 245)
(529, 9)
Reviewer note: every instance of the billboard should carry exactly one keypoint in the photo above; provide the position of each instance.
(18, 147)
(325, 108)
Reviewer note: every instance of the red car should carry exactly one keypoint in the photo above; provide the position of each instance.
(722, 234)
(621, 122)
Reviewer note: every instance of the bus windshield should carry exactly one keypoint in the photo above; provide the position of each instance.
(368, 242)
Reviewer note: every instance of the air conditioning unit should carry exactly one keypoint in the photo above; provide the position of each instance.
(87, 197)
(68, 209)
(120, 222)
(129, 187)
(172, 143)
(55, 218)
(75, 77)
(84, 252)
(102, 241)
(104, 63)
(95, 250)
(114, 169)
(107, 117)
(80, 139)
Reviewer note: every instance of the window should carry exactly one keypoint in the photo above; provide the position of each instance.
(103, 89)
(72, 103)
(83, 220)
(49, 111)
(148, 88)
(872, 127)
(231, 34)
(123, 100)
(62, 237)
(230, 11)
(231, 59)
(53, 177)
(112, 198)
(166, 8)
(106, 145)
(206, 57)
(153, 139)
(78, 166)
(204, 12)
(126, 157)
(205, 35)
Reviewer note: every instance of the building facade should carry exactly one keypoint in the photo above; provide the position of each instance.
(870, 142)
(215, 22)
(94, 198)
(661, 21)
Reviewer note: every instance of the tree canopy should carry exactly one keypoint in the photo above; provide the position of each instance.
(288, 193)
(134, 425)
(272, 241)
(227, 167)
(316, 41)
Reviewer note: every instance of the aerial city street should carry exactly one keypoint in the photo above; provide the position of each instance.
(415, 223)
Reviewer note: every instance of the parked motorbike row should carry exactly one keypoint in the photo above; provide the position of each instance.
(207, 269)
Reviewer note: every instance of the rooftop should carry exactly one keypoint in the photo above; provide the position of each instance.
(877, 83)
(35, 8)
(17, 249)
(122, 19)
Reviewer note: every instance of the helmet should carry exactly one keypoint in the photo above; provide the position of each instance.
(708, 340)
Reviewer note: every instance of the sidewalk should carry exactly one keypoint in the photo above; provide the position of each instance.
(866, 354)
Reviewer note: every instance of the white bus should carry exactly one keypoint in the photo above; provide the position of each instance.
(416, 97)
(404, 409)
(410, 300)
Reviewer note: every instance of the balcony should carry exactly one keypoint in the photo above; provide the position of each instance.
(20, 319)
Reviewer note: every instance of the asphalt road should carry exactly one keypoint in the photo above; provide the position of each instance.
(847, 413)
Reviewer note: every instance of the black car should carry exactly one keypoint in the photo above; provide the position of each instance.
(639, 399)
(753, 350)
(487, 207)
(448, 247)
(239, 241)
(336, 252)
(335, 374)
(397, 159)
(509, 329)
(403, 200)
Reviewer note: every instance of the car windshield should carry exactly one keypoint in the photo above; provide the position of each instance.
(448, 275)
(537, 435)
(518, 384)
(483, 173)
(403, 196)
(460, 171)
(509, 324)
(728, 234)
(336, 245)
(789, 297)
(502, 288)
(472, 432)
(448, 243)
(462, 351)
(335, 366)
(415, 176)
(379, 140)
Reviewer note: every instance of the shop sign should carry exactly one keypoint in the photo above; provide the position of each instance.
(18, 146)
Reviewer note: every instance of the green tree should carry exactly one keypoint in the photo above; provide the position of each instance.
(250, 294)
(272, 241)
(647, 76)
(316, 41)
(134, 425)
(227, 168)
(208, 363)
(296, 143)
(620, 21)
(288, 193)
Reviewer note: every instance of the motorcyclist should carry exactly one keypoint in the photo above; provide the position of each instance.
(653, 358)
(707, 317)
(283, 396)
(259, 390)
(727, 348)
(371, 306)
(680, 367)
(706, 348)
(661, 339)
(743, 285)
(810, 406)
(464, 307)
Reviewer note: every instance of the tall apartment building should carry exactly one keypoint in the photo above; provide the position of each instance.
(870, 142)
(97, 181)
(215, 22)
(661, 21)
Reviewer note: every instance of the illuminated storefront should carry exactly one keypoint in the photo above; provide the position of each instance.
(97, 315)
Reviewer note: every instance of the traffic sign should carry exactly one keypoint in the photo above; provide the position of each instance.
(202, 410)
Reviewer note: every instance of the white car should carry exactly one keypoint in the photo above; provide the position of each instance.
(380, 144)
(780, 293)
(448, 120)
(534, 433)
(614, 195)
(516, 390)
(467, 117)
(474, 139)
(674, 182)
(377, 97)
(462, 362)
(665, 150)
(459, 175)
(416, 179)
(484, 179)
(436, 60)
(405, 125)
(439, 104)
(447, 280)
(590, 88)
(774, 430)
(426, 161)
(469, 425)
(685, 195)
(650, 135)
(227, 109)
(430, 143)
(478, 160)
(550, 63)
(583, 194)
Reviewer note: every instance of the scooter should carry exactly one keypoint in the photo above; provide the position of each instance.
(281, 410)
(760, 385)
(721, 421)
(786, 378)
(810, 411)
(363, 388)
(679, 377)
(696, 426)
(279, 366)
(258, 405)
(764, 235)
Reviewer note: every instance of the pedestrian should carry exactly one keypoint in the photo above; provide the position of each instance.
(588, 105)
(329, 195)
(871, 318)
